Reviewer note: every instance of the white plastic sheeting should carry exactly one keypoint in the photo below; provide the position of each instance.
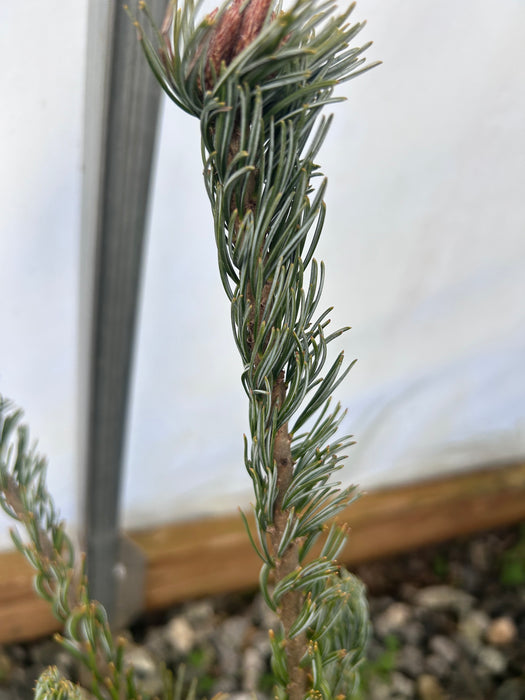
(424, 250)
(424, 247)
(42, 54)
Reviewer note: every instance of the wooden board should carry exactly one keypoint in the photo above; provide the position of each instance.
(214, 555)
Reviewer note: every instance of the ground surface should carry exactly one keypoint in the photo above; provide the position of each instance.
(449, 624)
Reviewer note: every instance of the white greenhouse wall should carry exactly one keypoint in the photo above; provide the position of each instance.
(42, 54)
(424, 247)
(424, 250)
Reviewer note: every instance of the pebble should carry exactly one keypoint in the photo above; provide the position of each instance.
(180, 635)
(413, 632)
(429, 688)
(445, 648)
(501, 631)
(436, 665)
(233, 630)
(253, 666)
(156, 641)
(199, 613)
(147, 671)
(201, 618)
(378, 689)
(492, 660)
(444, 598)
(402, 686)
(472, 628)
(230, 639)
(392, 619)
(410, 660)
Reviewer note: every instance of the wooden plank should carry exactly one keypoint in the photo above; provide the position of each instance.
(23, 615)
(212, 556)
(205, 557)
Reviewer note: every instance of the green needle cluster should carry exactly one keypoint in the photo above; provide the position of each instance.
(59, 581)
(258, 78)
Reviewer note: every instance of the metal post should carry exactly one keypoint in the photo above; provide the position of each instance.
(122, 102)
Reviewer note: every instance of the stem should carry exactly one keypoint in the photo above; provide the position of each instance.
(292, 602)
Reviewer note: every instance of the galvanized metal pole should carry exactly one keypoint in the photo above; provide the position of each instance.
(122, 102)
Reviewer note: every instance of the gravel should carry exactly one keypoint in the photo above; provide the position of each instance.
(448, 624)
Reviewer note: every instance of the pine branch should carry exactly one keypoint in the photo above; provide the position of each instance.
(59, 581)
(87, 636)
(258, 78)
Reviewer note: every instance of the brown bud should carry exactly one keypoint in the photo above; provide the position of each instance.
(234, 31)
